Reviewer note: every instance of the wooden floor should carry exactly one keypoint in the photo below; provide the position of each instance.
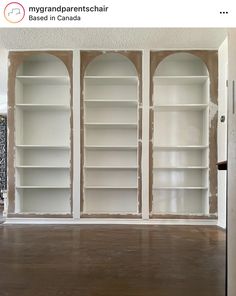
(111, 261)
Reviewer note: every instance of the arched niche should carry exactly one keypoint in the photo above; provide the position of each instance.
(181, 64)
(39, 114)
(42, 64)
(110, 129)
(182, 133)
(208, 57)
(111, 64)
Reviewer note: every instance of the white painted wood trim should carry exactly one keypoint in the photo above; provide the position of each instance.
(92, 221)
(145, 134)
(76, 134)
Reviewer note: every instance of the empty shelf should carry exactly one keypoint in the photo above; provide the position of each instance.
(42, 187)
(111, 80)
(119, 148)
(196, 147)
(102, 103)
(43, 146)
(111, 125)
(46, 80)
(179, 188)
(43, 107)
(180, 107)
(111, 167)
(173, 80)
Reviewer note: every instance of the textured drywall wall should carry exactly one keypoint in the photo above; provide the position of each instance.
(154, 38)
(111, 38)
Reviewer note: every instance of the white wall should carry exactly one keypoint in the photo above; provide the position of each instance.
(222, 131)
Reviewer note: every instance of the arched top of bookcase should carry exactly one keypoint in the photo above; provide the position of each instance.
(181, 64)
(111, 64)
(42, 64)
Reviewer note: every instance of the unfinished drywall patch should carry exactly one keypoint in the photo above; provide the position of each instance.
(213, 109)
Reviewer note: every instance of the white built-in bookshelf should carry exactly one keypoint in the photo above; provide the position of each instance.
(42, 136)
(180, 136)
(111, 119)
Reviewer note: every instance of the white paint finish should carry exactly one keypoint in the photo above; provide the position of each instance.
(183, 64)
(179, 158)
(111, 158)
(145, 133)
(185, 128)
(40, 94)
(111, 136)
(231, 207)
(116, 92)
(103, 114)
(108, 221)
(112, 201)
(43, 177)
(44, 189)
(111, 177)
(33, 131)
(222, 101)
(111, 65)
(110, 77)
(222, 131)
(179, 94)
(222, 189)
(43, 201)
(179, 178)
(180, 79)
(76, 135)
(43, 64)
(179, 202)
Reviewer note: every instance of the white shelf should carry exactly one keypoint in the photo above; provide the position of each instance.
(43, 146)
(119, 148)
(41, 167)
(110, 187)
(180, 107)
(111, 167)
(181, 168)
(179, 188)
(111, 80)
(43, 107)
(173, 80)
(111, 125)
(42, 187)
(45, 80)
(119, 103)
(191, 147)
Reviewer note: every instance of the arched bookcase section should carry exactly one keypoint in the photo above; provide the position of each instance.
(40, 105)
(182, 134)
(110, 134)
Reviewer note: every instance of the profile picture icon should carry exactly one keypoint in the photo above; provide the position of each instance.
(14, 12)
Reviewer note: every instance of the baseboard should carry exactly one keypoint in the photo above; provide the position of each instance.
(94, 221)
